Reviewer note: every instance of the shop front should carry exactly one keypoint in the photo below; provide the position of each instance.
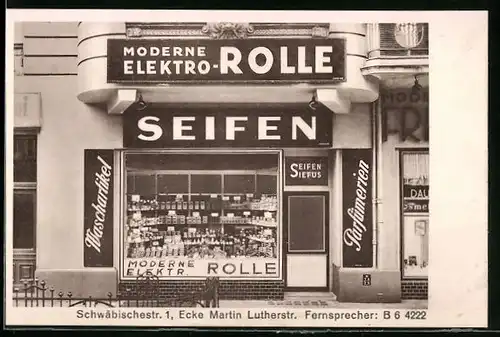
(249, 159)
(203, 193)
(240, 192)
(405, 151)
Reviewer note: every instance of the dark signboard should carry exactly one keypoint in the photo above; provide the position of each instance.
(357, 208)
(98, 208)
(405, 114)
(306, 171)
(254, 60)
(415, 198)
(416, 191)
(415, 206)
(228, 127)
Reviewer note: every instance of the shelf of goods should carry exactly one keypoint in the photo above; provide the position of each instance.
(202, 225)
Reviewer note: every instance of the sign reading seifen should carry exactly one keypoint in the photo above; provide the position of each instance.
(172, 60)
(98, 217)
(357, 215)
(224, 127)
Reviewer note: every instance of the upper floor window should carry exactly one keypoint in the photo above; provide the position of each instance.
(18, 59)
(25, 158)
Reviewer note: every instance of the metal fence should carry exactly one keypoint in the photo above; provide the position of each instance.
(144, 294)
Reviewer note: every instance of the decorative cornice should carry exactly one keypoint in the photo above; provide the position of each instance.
(225, 30)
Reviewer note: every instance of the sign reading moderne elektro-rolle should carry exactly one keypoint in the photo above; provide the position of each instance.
(181, 127)
(357, 249)
(98, 208)
(248, 60)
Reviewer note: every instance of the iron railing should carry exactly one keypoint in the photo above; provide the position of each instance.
(398, 40)
(144, 294)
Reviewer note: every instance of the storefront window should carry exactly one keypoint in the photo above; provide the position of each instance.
(415, 190)
(199, 215)
(25, 158)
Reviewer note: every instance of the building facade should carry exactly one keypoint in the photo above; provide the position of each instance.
(278, 157)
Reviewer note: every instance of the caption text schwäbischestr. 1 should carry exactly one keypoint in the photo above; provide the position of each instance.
(217, 314)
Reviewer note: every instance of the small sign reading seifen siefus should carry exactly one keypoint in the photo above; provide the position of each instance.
(98, 208)
(306, 171)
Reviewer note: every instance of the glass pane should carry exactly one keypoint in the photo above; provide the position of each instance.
(145, 185)
(24, 219)
(415, 196)
(200, 161)
(239, 183)
(206, 183)
(173, 183)
(194, 226)
(25, 158)
(306, 221)
(267, 184)
(416, 246)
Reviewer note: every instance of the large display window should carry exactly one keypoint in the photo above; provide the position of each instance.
(202, 214)
(415, 212)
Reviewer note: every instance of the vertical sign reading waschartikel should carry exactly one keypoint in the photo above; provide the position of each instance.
(357, 208)
(98, 216)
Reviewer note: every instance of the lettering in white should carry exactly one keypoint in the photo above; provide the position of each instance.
(127, 67)
(353, 236)
(321, 59)
(128, 51)
(252, 60)
(308, 130)
(231, 127)
(264, 128)
(155, 129)
(295, 172)
(94, 235)
(179, 127)
(226, 63)
(285, 68)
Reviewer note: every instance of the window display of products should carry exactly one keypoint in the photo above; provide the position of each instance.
(202, 225)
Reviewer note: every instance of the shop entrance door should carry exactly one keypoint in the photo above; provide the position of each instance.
(306, 241)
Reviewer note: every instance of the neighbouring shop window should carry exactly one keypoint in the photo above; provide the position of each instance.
(25, 162)
(415, 192)
(199, 215)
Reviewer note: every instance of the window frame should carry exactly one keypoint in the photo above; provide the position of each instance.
(402, 153)
(24, 187)
(219, 151)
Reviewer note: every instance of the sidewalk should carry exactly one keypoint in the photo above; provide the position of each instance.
(406, 304)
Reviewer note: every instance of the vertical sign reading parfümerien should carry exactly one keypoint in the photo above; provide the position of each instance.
(98, 208)
(357, 233)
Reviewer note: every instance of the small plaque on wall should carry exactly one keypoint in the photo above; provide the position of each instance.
(300, 171)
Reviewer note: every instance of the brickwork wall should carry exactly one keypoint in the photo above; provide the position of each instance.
(414, 289)
(229, 290)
